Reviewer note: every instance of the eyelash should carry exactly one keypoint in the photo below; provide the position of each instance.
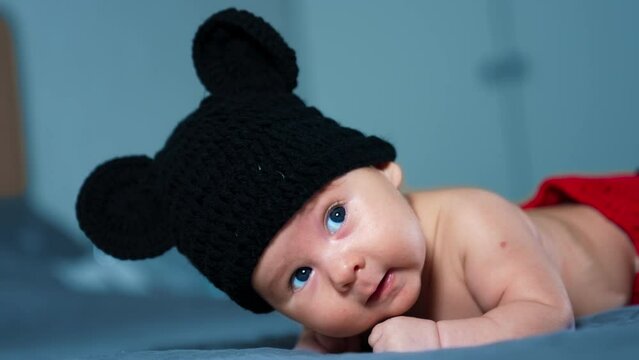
(328, 212)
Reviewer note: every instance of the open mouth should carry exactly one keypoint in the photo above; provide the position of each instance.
(382, 288)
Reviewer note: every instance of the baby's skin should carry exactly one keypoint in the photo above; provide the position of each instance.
(362, 262)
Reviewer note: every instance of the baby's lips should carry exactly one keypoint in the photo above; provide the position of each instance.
(374, 295)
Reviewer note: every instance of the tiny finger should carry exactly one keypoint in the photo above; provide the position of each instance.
(373, 338)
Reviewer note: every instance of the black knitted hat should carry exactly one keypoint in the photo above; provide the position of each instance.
(234, 171)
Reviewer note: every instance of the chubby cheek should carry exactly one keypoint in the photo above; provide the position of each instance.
(410, 241)
(341, 323)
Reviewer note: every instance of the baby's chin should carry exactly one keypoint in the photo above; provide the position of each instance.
(349, 327)
(355, 325)
(345, 332)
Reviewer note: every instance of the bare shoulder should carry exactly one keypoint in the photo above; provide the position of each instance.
(467, 218)
(456, 194)
(483, 229)
(459, 206)
(476, 229)
(478, 217)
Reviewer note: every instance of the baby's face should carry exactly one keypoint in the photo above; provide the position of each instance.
(350, 258)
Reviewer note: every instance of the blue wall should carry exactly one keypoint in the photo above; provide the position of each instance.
(489, 93)
(492, 93)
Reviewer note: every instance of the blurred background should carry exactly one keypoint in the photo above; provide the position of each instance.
(490, 93)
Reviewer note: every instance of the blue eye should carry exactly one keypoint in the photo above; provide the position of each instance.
(300, 277)
(335, 218)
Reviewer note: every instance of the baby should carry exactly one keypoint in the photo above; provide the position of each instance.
(285, 209)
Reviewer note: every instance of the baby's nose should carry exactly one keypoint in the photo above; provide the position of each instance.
(344, 272)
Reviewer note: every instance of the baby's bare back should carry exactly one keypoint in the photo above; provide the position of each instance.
(596, 259)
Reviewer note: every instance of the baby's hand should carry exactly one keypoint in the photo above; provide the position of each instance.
(403, 333)
(310, 340)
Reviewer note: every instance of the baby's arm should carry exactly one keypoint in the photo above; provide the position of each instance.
(508, 272)
(505, 268)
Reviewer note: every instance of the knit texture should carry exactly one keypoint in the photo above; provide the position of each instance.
(234, 171)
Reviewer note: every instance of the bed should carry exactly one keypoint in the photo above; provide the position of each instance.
(609, 335)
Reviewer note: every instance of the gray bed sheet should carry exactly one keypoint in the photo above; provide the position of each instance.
(610, 335)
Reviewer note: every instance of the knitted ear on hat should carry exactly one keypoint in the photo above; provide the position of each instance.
(119, 210)
(235, 51)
